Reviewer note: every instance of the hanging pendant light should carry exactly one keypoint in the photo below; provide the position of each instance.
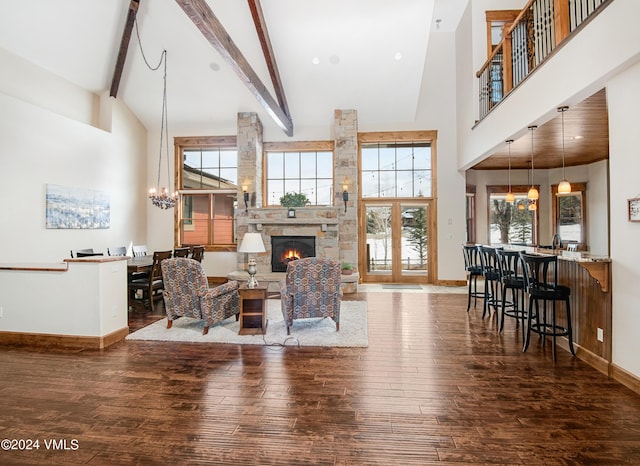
(564, 187)
(160, 197)
(510, 196)
(533, 192)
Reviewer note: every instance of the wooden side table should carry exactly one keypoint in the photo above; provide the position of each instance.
(253, 312)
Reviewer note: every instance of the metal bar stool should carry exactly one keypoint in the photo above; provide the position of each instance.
(474, 268)
(491, 274)
(541, 281)
(512, 279)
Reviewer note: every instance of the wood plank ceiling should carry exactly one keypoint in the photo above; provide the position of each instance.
(586, 140)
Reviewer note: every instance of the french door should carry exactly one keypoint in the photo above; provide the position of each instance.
(396, 241)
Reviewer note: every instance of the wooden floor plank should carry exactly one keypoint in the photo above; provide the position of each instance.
(435, 385)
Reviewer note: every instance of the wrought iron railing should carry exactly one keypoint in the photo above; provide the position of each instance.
(527, 42)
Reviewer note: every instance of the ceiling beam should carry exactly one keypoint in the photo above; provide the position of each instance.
(204, 19)
(267, 50)
(124, 46)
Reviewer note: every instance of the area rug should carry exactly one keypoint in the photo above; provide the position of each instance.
(305, 332)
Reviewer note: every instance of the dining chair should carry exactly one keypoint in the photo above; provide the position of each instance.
(181, 252)
(197, 253)
(88, 254)
(152, 285)
(139, 250)
(75, 252)
(117, 251)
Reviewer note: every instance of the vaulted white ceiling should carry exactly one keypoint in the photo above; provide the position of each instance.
(357, 44)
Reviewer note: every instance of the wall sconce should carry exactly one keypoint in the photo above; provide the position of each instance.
(246, 197)
(345, 196)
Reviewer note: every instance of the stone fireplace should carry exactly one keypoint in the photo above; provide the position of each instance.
(285, 249)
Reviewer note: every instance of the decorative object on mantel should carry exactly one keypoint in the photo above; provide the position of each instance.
(252, 244)
(347, 269)
(291, 213)
(160, 197)
(294, 200)
(634, 209)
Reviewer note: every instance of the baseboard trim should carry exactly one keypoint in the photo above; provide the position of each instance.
(625, 378)
(63, 341)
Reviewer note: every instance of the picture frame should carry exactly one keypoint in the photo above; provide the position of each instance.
(291, 213)
(634, 209)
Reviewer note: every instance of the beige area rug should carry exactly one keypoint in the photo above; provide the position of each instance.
(306, 332)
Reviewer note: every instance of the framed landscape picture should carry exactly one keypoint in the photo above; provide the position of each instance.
(634, 209)
(76, 208)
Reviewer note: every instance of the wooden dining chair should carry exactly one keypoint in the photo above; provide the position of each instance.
(181, 252)
(152, 285)
(117, 251)
(197, 253)
(139, 250)
(75, 252)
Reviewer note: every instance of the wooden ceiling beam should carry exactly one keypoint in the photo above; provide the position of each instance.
(204, 19)
(267, 50)
(124, 46)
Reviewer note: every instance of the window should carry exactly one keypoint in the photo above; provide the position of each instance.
(496, 21)
(305, 168)
(511, 223)
(208, 188)
(396, 169)
(569, 214)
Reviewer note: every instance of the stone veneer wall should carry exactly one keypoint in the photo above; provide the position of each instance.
(345, 128)
(335, 230)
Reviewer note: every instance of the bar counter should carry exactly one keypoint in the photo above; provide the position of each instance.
(589, 278)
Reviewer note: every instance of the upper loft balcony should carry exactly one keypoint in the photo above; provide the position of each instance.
(527, 41)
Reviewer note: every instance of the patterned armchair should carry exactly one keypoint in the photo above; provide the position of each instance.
(187, 294)
(311, 288)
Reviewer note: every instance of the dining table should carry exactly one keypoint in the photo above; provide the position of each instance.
(139, 264)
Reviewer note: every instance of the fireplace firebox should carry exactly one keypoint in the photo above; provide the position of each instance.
(285, 249)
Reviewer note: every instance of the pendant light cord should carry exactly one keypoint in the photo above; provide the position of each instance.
(164, 124)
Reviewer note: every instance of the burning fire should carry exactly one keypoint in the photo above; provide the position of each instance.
(290, 255)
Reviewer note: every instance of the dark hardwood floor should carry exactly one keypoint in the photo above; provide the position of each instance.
(435, 385)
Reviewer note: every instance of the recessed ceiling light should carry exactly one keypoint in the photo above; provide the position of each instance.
(315, 61)
(214, 66)
(397, 56)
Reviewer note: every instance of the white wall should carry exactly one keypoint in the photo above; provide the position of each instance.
(623, 97)
(54, 143)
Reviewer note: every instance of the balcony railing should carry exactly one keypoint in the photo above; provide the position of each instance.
(527, 42)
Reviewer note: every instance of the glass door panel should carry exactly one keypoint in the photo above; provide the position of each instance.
(378, 240)
(414, 240)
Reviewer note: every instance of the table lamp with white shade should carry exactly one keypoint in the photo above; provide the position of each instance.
(252, 244)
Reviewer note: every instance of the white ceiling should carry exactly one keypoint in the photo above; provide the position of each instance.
(355, 41)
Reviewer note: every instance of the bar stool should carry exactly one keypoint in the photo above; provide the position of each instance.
(512, 278)
(491, 274)
(474, 268)
(541, 281)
